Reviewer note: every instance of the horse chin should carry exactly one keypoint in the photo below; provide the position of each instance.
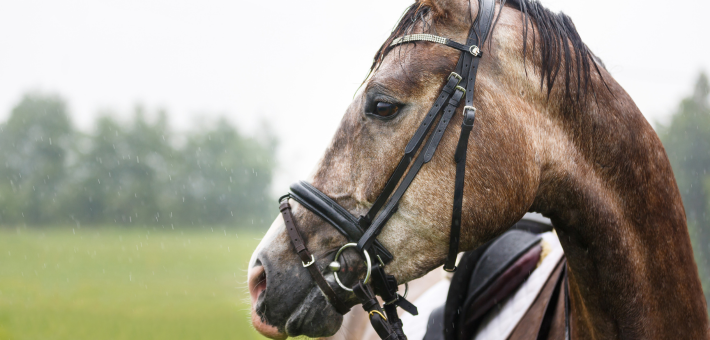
(314, 317)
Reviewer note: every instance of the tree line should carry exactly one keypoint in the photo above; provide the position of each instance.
(135, 173)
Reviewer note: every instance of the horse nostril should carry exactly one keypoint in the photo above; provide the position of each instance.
(257, 282)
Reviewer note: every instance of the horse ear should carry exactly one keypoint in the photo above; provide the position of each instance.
(452, 12)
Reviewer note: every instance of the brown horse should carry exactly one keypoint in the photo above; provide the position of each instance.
(555, 134)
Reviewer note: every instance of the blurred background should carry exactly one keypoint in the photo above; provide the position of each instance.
(143, 143)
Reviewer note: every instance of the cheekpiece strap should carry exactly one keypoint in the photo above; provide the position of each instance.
(308, 260)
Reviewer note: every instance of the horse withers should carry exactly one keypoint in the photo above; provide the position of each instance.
(554, 134)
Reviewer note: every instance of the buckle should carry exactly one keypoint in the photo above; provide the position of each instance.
(396, 297)
(372, 312)
(406, 292)
(306, 265)
(468, 108)
(455, 75)
(461, 89)
(450, 270)
(474, 50)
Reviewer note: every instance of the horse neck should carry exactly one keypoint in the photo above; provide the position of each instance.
(607, 185)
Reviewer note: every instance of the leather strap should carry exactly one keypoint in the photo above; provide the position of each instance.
(337, 216)
(568, 333)
(468, 67)
(411, 149)
(460, 158)
(391, 206)
(377, 317)
(308, 260)
(484, 19)
(486, 11)
(386, 287)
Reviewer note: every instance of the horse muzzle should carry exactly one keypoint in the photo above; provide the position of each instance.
(286, 302)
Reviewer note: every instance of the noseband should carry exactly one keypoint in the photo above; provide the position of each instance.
(361, 232)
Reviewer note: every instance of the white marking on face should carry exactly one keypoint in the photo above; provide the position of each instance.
(268, 240)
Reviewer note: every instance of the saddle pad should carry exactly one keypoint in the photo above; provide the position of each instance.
(499, 322)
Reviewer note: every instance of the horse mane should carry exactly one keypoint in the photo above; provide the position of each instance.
(561, 47)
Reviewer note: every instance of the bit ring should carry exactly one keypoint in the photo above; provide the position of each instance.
(367, 260)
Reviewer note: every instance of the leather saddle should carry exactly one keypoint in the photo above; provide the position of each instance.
(489, 274)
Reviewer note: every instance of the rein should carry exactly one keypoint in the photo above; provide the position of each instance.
(362, 232)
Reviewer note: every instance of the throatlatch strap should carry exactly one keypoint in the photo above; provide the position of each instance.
(308, 260)
(460, 158)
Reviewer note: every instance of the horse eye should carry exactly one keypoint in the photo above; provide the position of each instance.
(385, 109)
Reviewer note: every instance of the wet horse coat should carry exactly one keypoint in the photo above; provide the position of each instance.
(576, 150)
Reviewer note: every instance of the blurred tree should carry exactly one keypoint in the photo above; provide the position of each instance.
(34, 147)
(687, 143)
(225, 176)
(120, 177)
(136, 173)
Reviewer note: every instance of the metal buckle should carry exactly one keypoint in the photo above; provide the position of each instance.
(380, 259)
(306, 265)
(335, 260)
(455, 75)
(474, 50)
(396, 297)
(461, 89)
(378, 312)
(450, 270)
(468, 108)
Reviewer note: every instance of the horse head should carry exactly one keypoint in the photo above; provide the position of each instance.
(537, 145)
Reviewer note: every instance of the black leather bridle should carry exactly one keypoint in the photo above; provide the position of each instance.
(362, 232)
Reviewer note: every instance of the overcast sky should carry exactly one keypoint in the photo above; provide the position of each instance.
(295, 64)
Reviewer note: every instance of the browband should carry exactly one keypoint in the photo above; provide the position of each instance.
(473, 49)
(337, 216)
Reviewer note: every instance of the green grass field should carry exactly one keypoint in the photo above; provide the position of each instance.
(118, 283)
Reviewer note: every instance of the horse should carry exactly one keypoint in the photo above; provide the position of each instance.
(555, 134)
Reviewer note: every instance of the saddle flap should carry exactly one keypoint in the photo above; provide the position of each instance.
(478, 271)
(502, 253)
(504, 285)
